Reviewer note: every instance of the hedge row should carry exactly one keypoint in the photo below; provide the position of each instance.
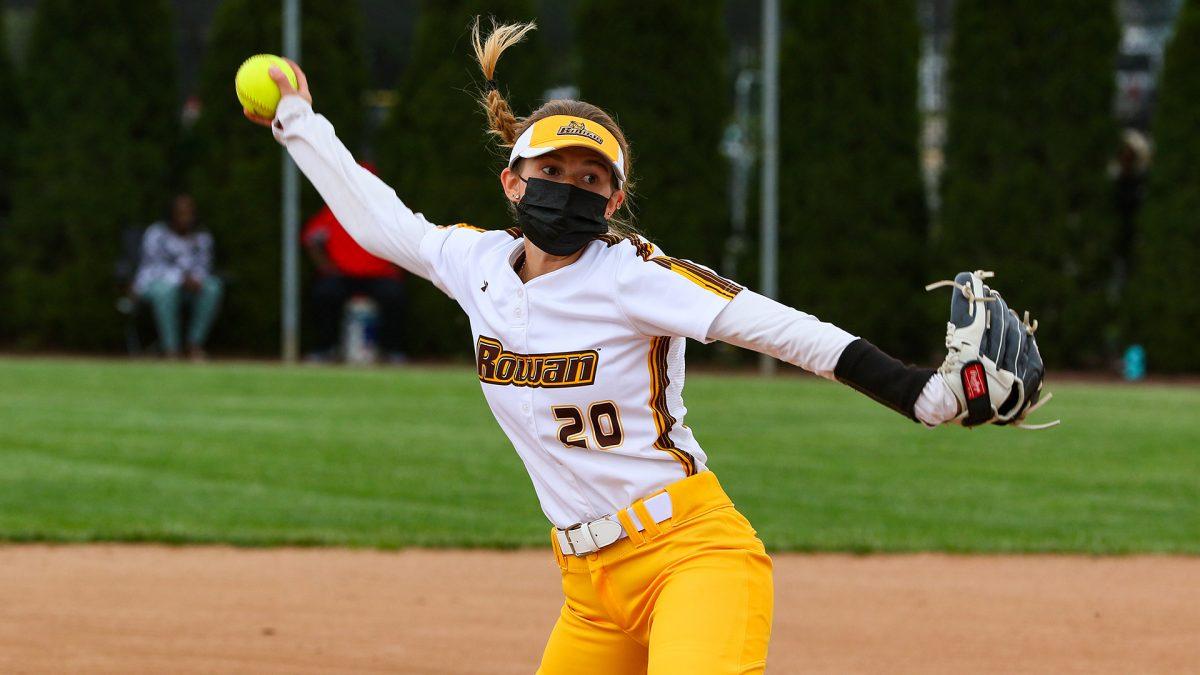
(91, 161)
(11, 121)
(1024, 192)
(852, 208)
(434, 148)
(1163, 305)
(236, 166)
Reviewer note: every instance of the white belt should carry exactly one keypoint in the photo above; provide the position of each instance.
(586, 538)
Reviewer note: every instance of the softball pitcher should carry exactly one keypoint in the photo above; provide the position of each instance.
(578, 327)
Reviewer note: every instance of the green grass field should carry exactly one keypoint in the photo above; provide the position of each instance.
(262, 455)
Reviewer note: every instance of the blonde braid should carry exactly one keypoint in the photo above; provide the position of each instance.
(501, 120)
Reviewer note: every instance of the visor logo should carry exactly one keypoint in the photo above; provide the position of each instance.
(578, 129)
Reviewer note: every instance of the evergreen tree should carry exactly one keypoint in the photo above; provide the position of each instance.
(92, 161)
(237, 174)
(660, 69)
(434, 148)
(11, 119)
(1164, 298)
(1030, 133)
(852, 210)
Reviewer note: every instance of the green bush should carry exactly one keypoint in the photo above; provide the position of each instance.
(1025, 190)
(236, 172)
(94, 159)
(1164, 297)
(11, 119)
(852, 209)
(434, 148)
(667, 86)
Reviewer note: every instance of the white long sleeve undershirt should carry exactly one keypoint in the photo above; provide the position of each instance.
(364, 205)
(758, 323)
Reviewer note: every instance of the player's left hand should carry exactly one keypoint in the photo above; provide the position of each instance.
(992, 363)
(285, 89)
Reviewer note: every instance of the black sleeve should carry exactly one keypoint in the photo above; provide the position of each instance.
(866, 368)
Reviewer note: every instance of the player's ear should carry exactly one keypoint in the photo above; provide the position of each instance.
(614, 203)
(514, 187)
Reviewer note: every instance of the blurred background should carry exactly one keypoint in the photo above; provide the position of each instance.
(1054, 143)
(142, 217)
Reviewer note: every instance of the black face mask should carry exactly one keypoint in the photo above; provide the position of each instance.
(560, 218)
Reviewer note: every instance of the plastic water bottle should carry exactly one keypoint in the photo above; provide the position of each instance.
(360, 345)
(1135, 363)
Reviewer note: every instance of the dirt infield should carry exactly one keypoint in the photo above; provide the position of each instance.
(191, 610)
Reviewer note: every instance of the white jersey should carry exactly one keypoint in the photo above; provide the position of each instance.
(582, 366)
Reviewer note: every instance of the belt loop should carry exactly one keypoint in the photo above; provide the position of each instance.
(635, 537)
(558, 554)
(651, 527)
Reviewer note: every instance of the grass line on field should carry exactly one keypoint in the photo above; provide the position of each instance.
(255, 454)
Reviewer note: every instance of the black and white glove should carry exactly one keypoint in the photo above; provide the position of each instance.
(992, 362)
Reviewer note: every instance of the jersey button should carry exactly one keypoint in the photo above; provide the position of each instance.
(525, 407)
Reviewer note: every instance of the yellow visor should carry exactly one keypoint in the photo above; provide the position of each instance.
(564, 131)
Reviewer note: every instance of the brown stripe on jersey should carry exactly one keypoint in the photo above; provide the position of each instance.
(692, 277)
(514, 232)
(663, 420)
(708, 275)
(644, 249)
(701, 276)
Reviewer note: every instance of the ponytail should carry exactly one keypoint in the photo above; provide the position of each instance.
(507, 127)
(501, 121)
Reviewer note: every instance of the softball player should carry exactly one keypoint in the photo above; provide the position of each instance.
(578, 328)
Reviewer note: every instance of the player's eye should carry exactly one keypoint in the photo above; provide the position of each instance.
(550, 170)
(591, 179)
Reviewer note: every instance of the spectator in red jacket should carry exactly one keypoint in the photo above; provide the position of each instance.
(344, 270)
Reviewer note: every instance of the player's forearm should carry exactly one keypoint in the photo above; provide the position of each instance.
(369, 210)
(919, 394)
(755, 322)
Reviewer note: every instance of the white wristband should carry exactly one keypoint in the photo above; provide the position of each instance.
(937, 403)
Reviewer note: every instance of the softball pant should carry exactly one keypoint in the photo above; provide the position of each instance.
(691, 595)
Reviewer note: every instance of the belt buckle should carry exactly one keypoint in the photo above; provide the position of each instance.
(571, 542)
(607, 529)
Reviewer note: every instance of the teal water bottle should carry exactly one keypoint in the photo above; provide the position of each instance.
(1135, 363)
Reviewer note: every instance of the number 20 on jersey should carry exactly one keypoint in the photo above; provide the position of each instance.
(599, 427)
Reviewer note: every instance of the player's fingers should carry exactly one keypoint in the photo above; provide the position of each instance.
(301, 78)
(261, 121)
(285, 85)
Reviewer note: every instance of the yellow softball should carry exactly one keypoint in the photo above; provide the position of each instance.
(256, 91)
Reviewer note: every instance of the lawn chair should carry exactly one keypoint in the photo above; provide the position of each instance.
(124, 272)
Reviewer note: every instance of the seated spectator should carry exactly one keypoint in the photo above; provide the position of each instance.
(176, 270)
(344, 270)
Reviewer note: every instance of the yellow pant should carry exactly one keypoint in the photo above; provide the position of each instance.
(691, 595)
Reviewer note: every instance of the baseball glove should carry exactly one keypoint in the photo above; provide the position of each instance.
(992, 362)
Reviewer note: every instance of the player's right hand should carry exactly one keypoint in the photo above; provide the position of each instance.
(285, 89)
